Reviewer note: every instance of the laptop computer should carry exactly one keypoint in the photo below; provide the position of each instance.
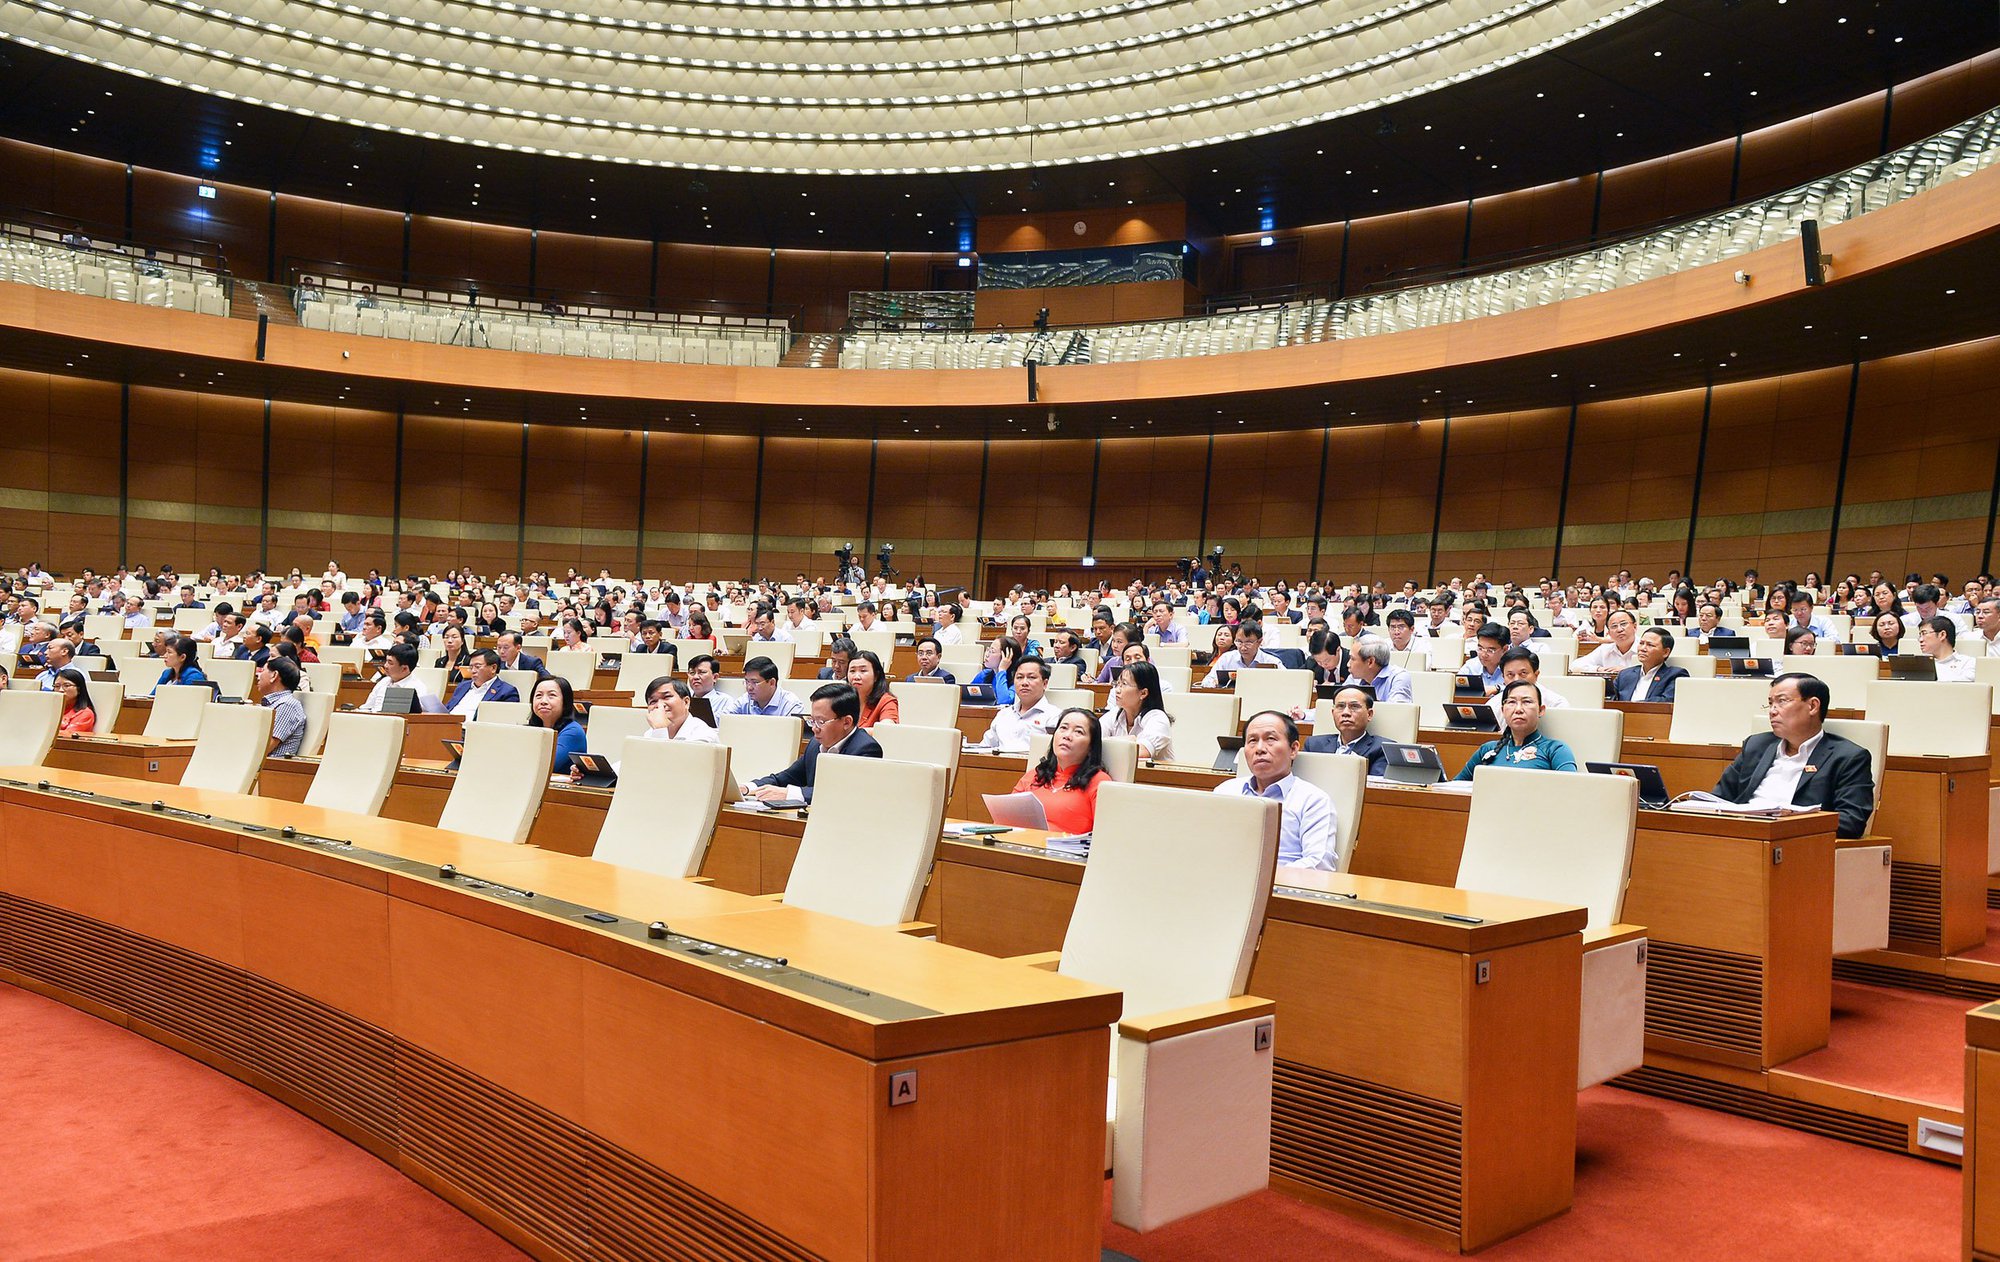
(1859, 650)
(1472, 716)
(1226, 748)
(1468, 686)
(977, 694)
(1912, 666)
(399, 701)
(598, 773)
(1412, 764)
(457, 751)
(1653, 795)
(1016, 810)
(1752, 667)
(1728, 646)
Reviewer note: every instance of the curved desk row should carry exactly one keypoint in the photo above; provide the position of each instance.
(512, 1037)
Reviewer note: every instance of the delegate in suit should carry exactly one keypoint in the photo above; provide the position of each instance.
(1652, 679)
(835, 720)
(1353, 708)
(1799, 763)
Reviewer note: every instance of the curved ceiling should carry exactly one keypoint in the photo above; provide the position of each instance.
(854, 87)
(1674, 76)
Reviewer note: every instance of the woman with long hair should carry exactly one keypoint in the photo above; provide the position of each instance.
(1067, 778)
(998, 672)
(456, 657)
(878, 704)
(1138, 713)
(79, 716)
(553, 705)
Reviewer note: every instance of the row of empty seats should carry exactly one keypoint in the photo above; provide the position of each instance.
(113, 274)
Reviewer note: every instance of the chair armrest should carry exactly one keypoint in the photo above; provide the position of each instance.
(1154, 1026)
(778, 897)
(917, 929)
(1856, 843)
(1045, 960)
(1611, 935)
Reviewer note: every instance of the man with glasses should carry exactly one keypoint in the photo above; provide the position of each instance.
(1799, 763)
(835, 725)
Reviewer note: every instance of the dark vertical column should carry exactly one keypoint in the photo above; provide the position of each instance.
(1437, 508)
(1888, 114)
(645, 463)
(271, 242)
(771, 280)
(1846, 448)
(1340, 279)
(1735, 167)
(653, 275)
(521, 516)
(1465, 242)
(1992, 513)
(124, 463)
(534, 250)
(757, 508)
(407, 219)
(396, 505)
(1562, 504)
(1207, 472)
(1090, 522)
(1596, 205)
(264, 507)
(1700, 463)
(868, 521)
(979, 524)
(1319, 505)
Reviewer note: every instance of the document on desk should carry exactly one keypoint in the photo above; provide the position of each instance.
(1696, 802)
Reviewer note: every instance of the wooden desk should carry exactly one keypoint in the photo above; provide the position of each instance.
(132, 756)
(1982, 1133)
(580, 1088)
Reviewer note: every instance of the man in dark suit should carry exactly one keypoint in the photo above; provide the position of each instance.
(928, 653)
(836, 729)
(1353, 707)
(482, 683)
(1652, 679)
(512, 658)
(1799, 763)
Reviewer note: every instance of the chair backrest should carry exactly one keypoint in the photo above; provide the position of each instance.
(1697, 665)
(1121, 758)
(435, 677)
(230, 748)
(662, 814)
(1583, 692)
(1285, 690)
(932, 746)
(1586, 862)
(925, 705)
(523, 680)
(505, 712)
(1847, 678)
(1345, 780)
(325, 676)
(1200, 717)
(1718, 711)
(178, 710)
(1933, 718)
(501, 781)
(781, 653)
(1173, 897)
(28, 722)
(608, 727)
(878, 640)
(104, 626)
(342, 654)
(1062, 675)
(858, 861)
(1592, 735)
(359, 765)
(234, 676)
(1432, 689)
(1986, 670)
(760, 744)
(107, 699)
(318, 707)
(1872, 736)
(1066, 698)
(579, 666)
(1391, 720)
(1447, 652)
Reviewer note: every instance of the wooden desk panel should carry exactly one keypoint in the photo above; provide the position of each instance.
(515, 1058)
(130, 756)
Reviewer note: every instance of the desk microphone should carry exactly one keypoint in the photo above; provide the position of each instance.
(447, 873)
(658, 929)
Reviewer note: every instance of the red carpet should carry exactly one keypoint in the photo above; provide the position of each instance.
(1893, 1042)
(1989, 953)
(112, 1147)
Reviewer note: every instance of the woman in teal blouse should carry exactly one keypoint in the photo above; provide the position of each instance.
(1523, 745)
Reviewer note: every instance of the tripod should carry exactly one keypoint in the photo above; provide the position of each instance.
(469, 326)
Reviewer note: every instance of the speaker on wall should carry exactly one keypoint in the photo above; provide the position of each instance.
(1031, 381)
(263, 327)
(1815, 261)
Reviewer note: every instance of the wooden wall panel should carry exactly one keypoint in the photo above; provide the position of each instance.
(237, 220)
(701, 495)
(1381, 497)
(1677, 185)
(1802, 149)
(228, 489)
(1037, 499)
(1502, 493)
(815, 498)
(1533, 217)
(1149, 497)
(461, 495)
(90, 190)
(1768, 481)
(927, 504)
(1928, 105)
(360, 237)
(583, 499)
(1631, 485)
(1384, 245)
(162, 476)
(692, 277)
(82, 418)
(615, 268)
(818, 282)
(332, 487)
(453, 250)
(1057, 230)
(1262, 496)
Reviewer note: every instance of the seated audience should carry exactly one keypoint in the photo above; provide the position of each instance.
(1522, 744)
(668, 717)
(1066, 779)
(1652, 679)
(553, 705)
(835, 724)
(482, 683)
(398, 663)
(1029, 711)
(178, 656)
(277, 684)
(1353, 707)
(998, 673)
(762, 692)
(1619, 651)
(878, 704)
(929, 668)
(79, 715)
(1520, 665)
(1799, 763)
(1137, 711)
(1307, 835)
(1938, 637)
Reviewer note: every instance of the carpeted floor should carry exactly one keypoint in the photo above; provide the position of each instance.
(1893, 1042)
(112, 1147)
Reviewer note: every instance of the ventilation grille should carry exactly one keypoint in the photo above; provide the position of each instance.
(1390, 1149)
(1798, 1115)
(1699, 995)
(1910, 979)
(582, 1196)
(1916, 903)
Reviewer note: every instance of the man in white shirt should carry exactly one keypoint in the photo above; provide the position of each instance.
(1616, 653)
(1249, 652)
(763, 694)
(764, 628)
(136, 617)
(1987, 618)
(1519, 665)
(947, 629)
(702, 678)
(1307, 832)
(1939, 637)
(1402, 627)
(374, 631)
(1029, 713)
(1440, 624)
(397, 666)
(865, 616)
(799, 616)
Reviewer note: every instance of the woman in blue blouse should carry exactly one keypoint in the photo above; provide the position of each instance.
(1523, 745)
(998, 674)
(179, 657)
(554, 706)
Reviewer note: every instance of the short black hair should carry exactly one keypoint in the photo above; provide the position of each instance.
(1014, 671)
(1492, 631)
(1945, 627)
(285, 669)
(840, 698)
(932, 641)
(1401, 615)
(1521, 683)
(762, 667)
(1521, 653)
(1291, 724)
(1255, 630)
(404, 655)
(1666, 636)
(699, 658)
(1811, 688)
(1367, 693)
(486, 655)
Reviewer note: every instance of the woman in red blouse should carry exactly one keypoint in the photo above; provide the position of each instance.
(1067, 777)
(79, 716)
(878, 705)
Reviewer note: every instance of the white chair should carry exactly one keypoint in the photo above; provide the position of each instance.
(503, 712)
(28, 722)
(1718, 711)
(108, 699)
(1392, 721)
(780, 652)
(359, 765)
(1281, 690)
(324, 677)
(1583, 692)
(579, 666)
(1447, 653)
(1847, 678)
(318, 707)
(230, 749)
(1344, 778)
(760, 744)
(1121, 758)
(925, 705)
(1169, 911)
(178, 710)
(637, 670)
(234, 677)
(1586, 863)
(1432, 690)
(523, 681)
(932, 746)
(858, 861)
(608, 727)
(1861, 873)
(663, 812)
(1592, 735)
(1200, 717)
(1072, 698)
(501, 780)
(1952, 720)
(1695, 664)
